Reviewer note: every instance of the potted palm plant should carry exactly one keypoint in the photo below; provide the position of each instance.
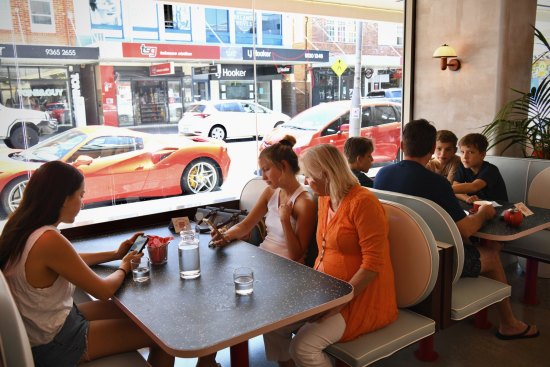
(525, 121)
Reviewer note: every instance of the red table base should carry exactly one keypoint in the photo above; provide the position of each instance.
(426, 352)
(531, 274)
(481, 321)
(239, 355)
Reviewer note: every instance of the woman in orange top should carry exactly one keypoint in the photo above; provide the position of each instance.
(352, 236)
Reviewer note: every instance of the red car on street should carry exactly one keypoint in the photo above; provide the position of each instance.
(329, 123)
(118, 163)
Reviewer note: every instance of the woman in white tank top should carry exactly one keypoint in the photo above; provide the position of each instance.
(288, 208)
(42, 269)
(289, 211)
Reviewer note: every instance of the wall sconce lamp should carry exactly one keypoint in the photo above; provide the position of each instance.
(443, 53)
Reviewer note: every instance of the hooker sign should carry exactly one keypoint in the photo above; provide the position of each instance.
(166, 68)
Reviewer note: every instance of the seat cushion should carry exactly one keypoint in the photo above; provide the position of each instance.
(473, 294)
(130, 359)
(369, 348)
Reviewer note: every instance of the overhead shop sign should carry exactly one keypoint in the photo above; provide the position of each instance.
(284, 54)
(49, 52)
(169, 51)
(166, 68)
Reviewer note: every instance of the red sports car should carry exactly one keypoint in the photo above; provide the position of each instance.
(118, 163)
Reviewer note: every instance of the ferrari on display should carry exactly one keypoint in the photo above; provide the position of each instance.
(119, 164)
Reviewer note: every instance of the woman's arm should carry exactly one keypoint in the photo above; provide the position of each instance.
(53, 255)
(305, 213)
(95, 258)
(241, 229)
(359, 281)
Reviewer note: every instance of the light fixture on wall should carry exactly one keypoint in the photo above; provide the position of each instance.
(445, 52)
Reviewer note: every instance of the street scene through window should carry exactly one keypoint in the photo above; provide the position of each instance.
(169, 111)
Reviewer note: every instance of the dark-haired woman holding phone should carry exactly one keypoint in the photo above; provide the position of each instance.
(42, 269)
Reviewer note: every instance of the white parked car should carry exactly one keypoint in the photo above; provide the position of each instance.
(228, 119)
(36, 123)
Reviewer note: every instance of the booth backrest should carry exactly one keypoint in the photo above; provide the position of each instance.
(439, 221)
(414, 255)
(251, 193)
(514, 171)
(537, 194)
(14, 342)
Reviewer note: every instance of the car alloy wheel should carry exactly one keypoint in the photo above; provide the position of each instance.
(201, 175)
(218, 132)
(13, 193)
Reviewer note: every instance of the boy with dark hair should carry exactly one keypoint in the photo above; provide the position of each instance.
(410, 176)
(358, 151)
(445, 161)
(476, 179)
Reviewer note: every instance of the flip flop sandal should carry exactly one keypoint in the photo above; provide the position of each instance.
(522, 335)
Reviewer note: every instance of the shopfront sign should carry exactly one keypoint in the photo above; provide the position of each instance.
(284, 54)
(108, 95)
(284, 69)
(166, 68)
(234, 72)
(210, 69)
(49, 52)
(169, 51)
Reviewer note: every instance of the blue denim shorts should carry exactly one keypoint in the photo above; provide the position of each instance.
(472, 264)
(68, 346)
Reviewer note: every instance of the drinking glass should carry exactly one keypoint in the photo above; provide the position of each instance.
(141, 269)
(243, 278)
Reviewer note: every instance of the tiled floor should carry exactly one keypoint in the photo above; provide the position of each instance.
(461, 345)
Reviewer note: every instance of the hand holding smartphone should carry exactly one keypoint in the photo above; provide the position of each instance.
(139, 244)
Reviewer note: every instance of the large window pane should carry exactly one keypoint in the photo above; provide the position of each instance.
(164, 89)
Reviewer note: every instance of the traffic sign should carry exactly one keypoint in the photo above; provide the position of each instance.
(339, 66)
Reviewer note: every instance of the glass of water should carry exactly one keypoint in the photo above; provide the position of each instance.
(243, 278)
(141, 269)
(189, 255)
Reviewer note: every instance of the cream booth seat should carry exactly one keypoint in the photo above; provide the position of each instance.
(469, 295)
(415, 261)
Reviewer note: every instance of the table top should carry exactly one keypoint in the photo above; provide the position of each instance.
(196, 317)
(497, 229)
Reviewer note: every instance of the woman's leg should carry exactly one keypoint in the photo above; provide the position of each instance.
(277, 344)
(307, 346)
(111, 332)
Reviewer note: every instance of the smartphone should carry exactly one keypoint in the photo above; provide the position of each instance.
(139, 244)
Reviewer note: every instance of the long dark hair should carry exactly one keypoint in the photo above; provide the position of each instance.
(41, 205)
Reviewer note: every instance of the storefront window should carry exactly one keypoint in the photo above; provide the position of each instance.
(46, 73)
(152, 100)
(272, 30)
(245, 28)
(217, 25)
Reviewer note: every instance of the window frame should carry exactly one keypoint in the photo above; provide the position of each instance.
(40, 27)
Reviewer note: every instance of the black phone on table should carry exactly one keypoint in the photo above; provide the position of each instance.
(139, 244)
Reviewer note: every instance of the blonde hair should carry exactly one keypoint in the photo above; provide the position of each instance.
(325, 162)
